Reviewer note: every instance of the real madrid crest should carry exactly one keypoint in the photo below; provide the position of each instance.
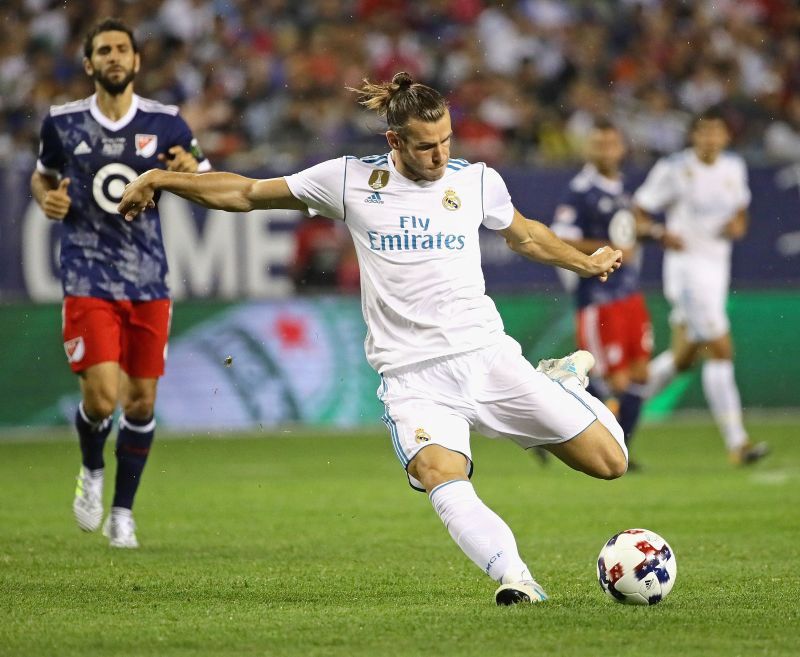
(379, 178)
(450, 200)
(421, 436)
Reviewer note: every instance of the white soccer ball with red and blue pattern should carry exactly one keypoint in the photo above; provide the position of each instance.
(637, 567)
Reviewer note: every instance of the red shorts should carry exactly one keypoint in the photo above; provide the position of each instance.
(617, 333)
(131, 333)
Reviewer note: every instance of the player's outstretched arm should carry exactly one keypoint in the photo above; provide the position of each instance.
(536, 241)
(220, 191)
(648, 229)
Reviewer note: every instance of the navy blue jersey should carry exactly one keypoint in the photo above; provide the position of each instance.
(102, 255)
(597, 208)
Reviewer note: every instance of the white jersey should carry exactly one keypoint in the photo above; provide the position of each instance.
(699, 199)
(422, 287)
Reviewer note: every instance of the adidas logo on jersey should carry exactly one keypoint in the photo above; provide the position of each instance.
(82, 149)
(375, 197)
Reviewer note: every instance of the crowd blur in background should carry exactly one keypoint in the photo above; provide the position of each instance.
(262, 82)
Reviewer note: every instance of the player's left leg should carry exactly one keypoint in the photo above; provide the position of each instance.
(724, 401)
(549, 406)
(144, 346)
(137, 426)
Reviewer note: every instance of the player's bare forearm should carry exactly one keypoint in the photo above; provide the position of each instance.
(587, 246)
(52, 195)
(649, 229)
(736, 228)
(40, 185)
(217, 190)
(537, 242)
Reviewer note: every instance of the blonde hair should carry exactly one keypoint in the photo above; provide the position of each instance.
(402, 99)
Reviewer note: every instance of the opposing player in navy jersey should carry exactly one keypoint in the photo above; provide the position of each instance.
(612, 320)
(446, 365)
(116, 309)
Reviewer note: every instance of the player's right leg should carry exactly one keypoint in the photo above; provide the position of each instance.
(144, 339)
(93, 421)
(91, 342)
(681, 355)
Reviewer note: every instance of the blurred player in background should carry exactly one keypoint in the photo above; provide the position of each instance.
(437, 340)
(612, 322)
(116, 310)
(704, 193)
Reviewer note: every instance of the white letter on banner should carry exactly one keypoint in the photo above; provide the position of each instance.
(199, 263)
(264, 248)
(40, 281)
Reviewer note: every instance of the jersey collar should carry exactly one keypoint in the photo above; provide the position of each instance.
(417, 183)
(107, 123)
(607, 185)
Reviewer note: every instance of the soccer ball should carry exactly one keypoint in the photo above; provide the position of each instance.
(637, 567)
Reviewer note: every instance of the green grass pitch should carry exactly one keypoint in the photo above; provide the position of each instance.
(314, 545)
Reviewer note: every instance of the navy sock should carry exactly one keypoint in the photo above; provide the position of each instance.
(630, 407)
(599, 388)
(133, 446)
(92, 435)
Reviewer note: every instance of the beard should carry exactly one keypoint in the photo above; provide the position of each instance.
(114, 88)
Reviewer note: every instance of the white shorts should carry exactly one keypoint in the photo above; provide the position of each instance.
(698, 295)
(493, 391)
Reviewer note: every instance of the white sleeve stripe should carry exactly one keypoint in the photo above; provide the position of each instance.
(344, 189)
(81, 105)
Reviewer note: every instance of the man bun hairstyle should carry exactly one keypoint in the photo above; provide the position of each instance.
(402, 99)
(107, 25)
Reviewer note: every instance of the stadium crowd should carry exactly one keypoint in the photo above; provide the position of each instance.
(263, 81)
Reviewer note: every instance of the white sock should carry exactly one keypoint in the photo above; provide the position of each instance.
(479, 531)
(722, 395)
(660, 372)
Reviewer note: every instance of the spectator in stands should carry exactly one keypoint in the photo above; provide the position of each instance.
(250, 62)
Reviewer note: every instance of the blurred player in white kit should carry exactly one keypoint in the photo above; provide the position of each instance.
(704, 193)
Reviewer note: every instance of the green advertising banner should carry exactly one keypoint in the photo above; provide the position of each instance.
(273, 363)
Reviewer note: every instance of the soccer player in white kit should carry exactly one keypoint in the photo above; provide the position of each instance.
(435, 338)
(704, 192)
